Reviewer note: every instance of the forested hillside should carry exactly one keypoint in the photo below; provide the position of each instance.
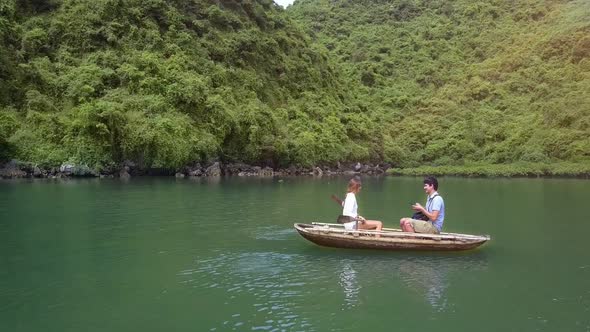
(408, 82)
(454, 82)
(165, 83)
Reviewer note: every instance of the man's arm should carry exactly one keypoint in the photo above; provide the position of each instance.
(435, 206)
(431, 215)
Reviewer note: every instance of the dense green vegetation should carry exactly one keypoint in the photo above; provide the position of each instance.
(409, 82)
(518, 169)
(457, 82)
(165, 83)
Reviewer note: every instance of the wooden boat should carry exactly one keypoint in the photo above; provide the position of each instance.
(334, 235)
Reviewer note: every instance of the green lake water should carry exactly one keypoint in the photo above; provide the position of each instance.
(160, 254)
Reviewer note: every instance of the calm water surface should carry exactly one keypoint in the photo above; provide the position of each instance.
(220, 255)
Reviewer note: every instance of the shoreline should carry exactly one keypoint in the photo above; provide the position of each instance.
(22, 170)
(516, 170)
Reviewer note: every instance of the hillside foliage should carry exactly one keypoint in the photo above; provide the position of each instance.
(408, 82)
(165, 83)
(455, 82)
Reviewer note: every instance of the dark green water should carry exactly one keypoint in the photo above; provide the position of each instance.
(183, 255)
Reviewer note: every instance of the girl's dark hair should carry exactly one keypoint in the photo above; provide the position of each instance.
(431, 180)
(353, 185)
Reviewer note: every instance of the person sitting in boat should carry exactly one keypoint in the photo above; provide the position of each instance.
(350, 208)
(427, 219)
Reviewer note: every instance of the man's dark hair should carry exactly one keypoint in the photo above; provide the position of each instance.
(431, 180)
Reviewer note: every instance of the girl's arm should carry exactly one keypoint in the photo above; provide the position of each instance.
(338, 200)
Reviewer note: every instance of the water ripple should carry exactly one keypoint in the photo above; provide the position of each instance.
(273, 233)
(265, 279)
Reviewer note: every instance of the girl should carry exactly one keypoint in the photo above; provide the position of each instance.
(350, 208)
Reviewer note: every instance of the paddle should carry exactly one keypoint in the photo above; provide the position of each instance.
(337, 200)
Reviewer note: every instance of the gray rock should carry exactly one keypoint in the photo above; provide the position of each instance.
(67, 168)
(213, 170)
(292, 170)
(12, 169)
(357, 167)
(70, 169)
(16, 169)
(124, 173)
(37, 172)
(365, 169)
(179, 175)
(235, 169)
(318, 171)
(267, 171)
(195, 172)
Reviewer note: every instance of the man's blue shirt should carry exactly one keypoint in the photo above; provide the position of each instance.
(436, 203)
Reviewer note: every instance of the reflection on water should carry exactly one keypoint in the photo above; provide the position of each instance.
(265, 280)
(430, 276)
(268, 290)
(350, 285)
(427, 276)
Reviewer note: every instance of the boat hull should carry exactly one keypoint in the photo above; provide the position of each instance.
(333, 235)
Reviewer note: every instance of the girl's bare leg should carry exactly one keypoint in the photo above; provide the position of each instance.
(372, 224)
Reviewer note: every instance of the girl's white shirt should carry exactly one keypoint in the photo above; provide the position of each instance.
(350, 206)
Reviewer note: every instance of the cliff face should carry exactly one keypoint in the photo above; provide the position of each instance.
(163, 83)
(455, 82)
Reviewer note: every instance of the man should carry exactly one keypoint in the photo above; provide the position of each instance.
(434, 211)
